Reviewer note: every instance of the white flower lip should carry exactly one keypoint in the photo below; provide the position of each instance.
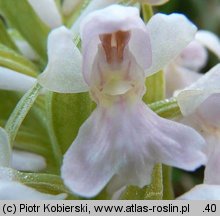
(126, 144)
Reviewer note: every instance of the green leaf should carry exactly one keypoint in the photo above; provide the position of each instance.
(5, 37)
(8, 100)
(33, 133)
(13, 60)
(21, 16)
(24, 105)
(45, 183)
(33, 137)
(154, 191)
(66, 113)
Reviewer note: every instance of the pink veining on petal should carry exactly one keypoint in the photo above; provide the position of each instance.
(127, 142)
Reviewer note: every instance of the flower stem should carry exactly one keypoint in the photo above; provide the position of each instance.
(147, 12)
(167, 108)
(168, 193)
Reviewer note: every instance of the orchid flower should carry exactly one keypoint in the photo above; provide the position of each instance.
(10, 188)
(12, 80)
(184, 70)
(122, 139)
(200, 105)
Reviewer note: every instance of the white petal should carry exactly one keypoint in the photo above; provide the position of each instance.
(26, 49)
(190, 98)
(47, 11)
(178, 78)
(209, 40)
(26, 161)
(15, 81)
(212, 168)
(63, 72)
(153, 2)
(127, 150)
(202, 192)
(7, 174)
(109, 20)
(5, 152)
(209, 111)
(93, 5)
(194, 56)
(69, 5)
(169, 34)
(12, 190)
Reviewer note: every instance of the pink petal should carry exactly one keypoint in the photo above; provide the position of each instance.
(209, 111)
(125, 142)
(91, 160)
(175, 144)
(212, 169)
(194, 56)
(178, 78)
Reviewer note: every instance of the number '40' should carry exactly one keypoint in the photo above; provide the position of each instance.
(210, 208)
